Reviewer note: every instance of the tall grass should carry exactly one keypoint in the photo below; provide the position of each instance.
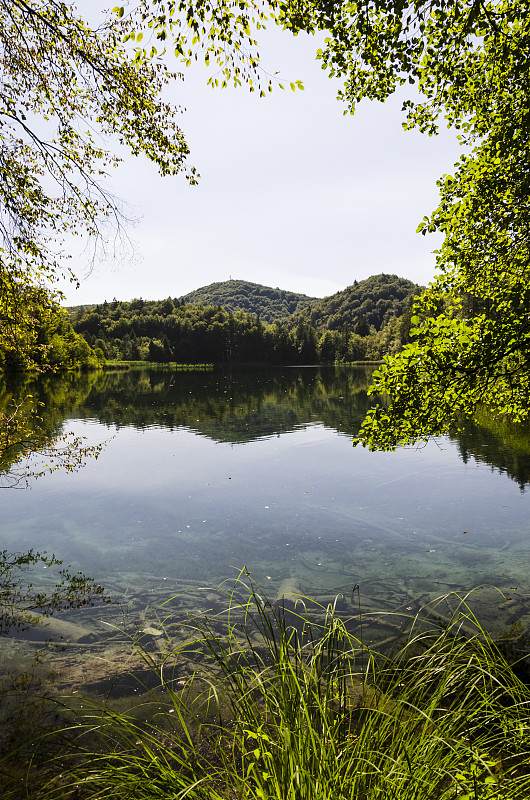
(286, 703)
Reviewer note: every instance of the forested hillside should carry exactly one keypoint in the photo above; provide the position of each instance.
(267, 303)
(372, 302)
(364, 322)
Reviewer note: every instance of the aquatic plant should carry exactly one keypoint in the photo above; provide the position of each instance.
(286, 702)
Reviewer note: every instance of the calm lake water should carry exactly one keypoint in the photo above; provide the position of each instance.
(206, 473)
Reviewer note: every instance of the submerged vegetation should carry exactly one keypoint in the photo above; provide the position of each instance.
(287, 701)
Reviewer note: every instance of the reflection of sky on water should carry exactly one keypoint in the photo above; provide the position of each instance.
(304, 503)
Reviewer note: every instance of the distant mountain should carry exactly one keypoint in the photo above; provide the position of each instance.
(253, 298)
(371, 302)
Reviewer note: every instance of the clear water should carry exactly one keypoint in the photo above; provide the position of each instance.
(206, 473)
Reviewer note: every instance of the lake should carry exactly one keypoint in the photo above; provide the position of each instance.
(208, 473)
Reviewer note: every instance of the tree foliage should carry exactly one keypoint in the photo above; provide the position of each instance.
(468, 61)
(64, 86)
(171, 330)
(220, 33)
(41, 337)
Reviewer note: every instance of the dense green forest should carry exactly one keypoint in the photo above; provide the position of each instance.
(36, 334)
(364, 322)
(170, 330)
(267, 303)
(373, 302)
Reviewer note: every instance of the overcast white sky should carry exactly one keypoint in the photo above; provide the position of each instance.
(292, 193)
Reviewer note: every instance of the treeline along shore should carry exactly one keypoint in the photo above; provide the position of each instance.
(242, 322)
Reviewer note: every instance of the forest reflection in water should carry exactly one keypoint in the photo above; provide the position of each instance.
(242, 405)
(207, 472)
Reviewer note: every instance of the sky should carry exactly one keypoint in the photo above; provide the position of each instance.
(292, 193)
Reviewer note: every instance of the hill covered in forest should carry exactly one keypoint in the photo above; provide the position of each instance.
(366, 321)
(267, 303)
(366, 304)
(363, 306)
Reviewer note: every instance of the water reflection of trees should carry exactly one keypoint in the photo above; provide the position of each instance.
(32, 413)
(232, 406)
(503, 445)
(239, 406)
